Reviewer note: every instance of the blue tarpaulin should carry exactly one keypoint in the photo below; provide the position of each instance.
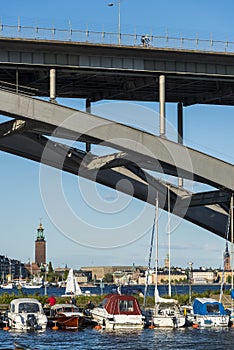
(208, 306)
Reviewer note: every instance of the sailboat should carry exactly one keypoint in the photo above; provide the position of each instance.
(166, 312)
(72, 286)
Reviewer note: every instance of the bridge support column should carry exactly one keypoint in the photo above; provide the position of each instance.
(17, 81)
(180, 132)
(88, 110)
(162, 105)
(52, 85)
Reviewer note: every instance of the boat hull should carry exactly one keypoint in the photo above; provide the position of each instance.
(69, 322)
(211, 321)
(118, 321)
(168, 317)
(169, 321)
(21, 325)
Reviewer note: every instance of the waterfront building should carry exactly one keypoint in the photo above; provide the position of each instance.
(203, 276)
(163, 276)
(99, 272)
(40, 247)
(11, 269)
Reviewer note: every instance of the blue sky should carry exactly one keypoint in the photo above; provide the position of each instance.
(206, 128)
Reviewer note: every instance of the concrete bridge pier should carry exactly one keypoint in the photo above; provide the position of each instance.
(52, 85)
(162, 116)
(180, 129)
(88, 110)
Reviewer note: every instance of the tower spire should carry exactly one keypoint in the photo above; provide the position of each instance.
(227, 258)
(40, 232)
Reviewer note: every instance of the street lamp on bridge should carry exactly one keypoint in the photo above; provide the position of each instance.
(119, 30)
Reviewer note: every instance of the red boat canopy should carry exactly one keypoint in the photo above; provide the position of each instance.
(116, 304)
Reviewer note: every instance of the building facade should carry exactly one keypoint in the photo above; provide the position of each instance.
(11, 269)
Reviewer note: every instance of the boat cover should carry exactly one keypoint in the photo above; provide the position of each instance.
(208, 306)
(232, 293)
(116, 304)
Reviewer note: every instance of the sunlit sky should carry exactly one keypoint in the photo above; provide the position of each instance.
(206, 128)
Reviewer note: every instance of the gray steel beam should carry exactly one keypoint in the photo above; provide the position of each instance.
(30, 146)
(153, 152)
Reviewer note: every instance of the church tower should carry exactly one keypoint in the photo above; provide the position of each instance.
(40, 246)
(226, 257)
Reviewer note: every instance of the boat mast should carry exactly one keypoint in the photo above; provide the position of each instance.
(232, 259)
(169, 239)
(149, 262)
(156, 251)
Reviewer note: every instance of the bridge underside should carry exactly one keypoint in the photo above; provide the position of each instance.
(136, 156)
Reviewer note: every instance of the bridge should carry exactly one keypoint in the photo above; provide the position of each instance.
(31, 69)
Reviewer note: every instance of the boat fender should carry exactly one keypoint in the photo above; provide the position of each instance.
(55, 327)
(98, 326)
(195, 325)
(6, 327)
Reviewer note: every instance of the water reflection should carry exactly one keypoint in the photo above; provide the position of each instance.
(147, 339)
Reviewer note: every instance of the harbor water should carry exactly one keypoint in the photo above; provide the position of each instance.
(146, 339)
(135, 289)
(91, 339)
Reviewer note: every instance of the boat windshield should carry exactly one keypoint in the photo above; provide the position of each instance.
(68, 308)
(212, 308)
(103, 303)
(28, 307)
(126, 305)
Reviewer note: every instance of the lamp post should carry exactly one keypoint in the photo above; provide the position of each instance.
(43, 268)
(119, 30)
(190, 282)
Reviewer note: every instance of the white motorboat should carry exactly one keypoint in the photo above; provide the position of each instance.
(9, 285)
(32, 286)
(26, 314)
(72, 286)
(208, 312)
(119, 312)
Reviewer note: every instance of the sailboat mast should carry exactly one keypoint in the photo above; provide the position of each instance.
(231, 223)
(169, 240)
(149, 262)
(156, 250)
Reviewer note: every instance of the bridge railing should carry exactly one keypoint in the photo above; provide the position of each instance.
(102, 37)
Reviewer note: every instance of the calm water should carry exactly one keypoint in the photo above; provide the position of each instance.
(163, 289)
(147, 339)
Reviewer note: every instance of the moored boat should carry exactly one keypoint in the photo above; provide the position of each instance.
(67, 316)
(208, 312)
(166, 313)
(119, 312)
(32, 286)
(26, 314)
